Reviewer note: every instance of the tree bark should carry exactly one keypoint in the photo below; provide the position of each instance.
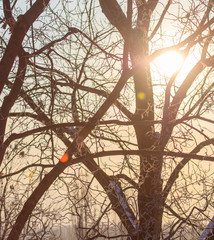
(19, 30)
(150, 184)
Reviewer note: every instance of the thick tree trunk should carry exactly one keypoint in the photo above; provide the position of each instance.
(150, 198)
(150, 184)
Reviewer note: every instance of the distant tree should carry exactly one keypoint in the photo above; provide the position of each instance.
(82, 91)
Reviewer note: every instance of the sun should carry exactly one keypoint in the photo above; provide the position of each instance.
(168, 63)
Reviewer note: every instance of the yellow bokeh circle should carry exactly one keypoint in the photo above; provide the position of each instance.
(141, 95)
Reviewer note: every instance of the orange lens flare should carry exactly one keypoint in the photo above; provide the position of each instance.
(64, 158)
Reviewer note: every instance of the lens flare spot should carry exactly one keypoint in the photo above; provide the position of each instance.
(141, 95)
(64, 158)
(31, 174)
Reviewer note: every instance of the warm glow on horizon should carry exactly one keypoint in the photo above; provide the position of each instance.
(168, 63)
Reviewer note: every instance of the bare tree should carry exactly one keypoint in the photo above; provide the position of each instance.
(81, 91)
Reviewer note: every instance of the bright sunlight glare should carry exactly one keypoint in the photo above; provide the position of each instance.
(168, 63)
